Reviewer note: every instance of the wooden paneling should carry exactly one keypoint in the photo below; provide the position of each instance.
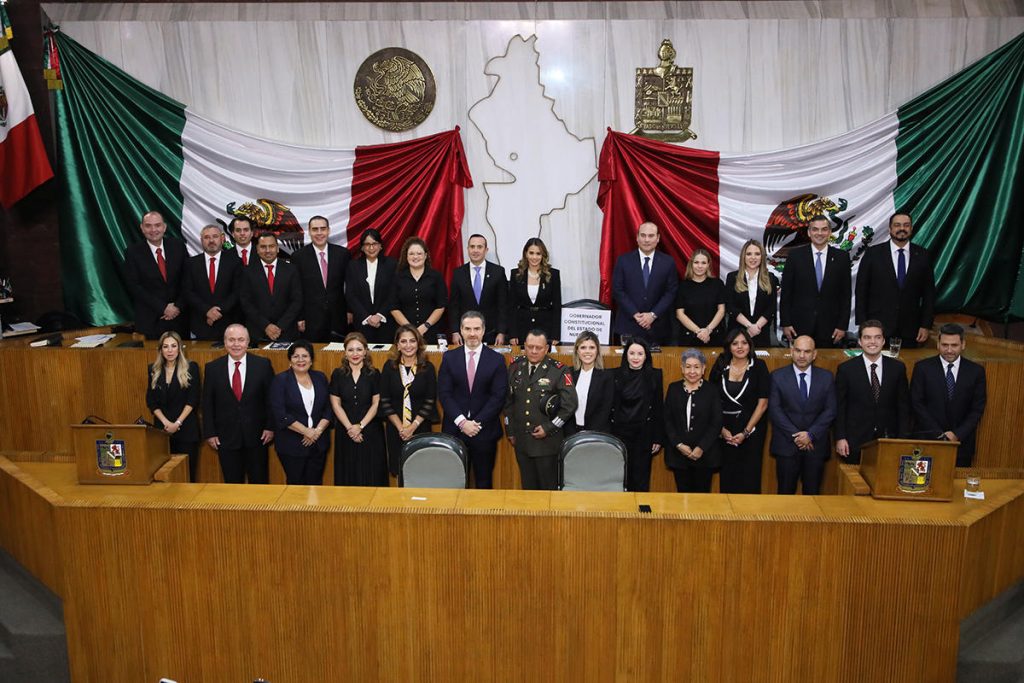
(27, 528)
(44, 390)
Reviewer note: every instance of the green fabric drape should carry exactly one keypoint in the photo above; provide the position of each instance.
(961, 174)
(119, 145)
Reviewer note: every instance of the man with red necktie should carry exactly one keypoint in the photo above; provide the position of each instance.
(322, 268)
(240, 230)
(154, 270)
(236, 423)
(271, 294)
(211, 286)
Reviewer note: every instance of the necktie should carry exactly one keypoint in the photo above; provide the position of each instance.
(408, 375)
(270, 277)
(213, 274)
(161, 264)
(876, 386)
(245, 257)
(819, 270)
(803, 385)
(533, 369)
(647, 270)
(236, 381)
(901, 267)
(478, 284)
(950, 381)
(323, 268)
(471, 369)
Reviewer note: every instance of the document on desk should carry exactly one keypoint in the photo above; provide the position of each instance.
(92, 341)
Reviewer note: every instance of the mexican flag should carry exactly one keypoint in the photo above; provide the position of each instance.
(126, 149)
(23, 162)
(953, 157)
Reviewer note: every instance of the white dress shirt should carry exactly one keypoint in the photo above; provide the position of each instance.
(894, 252)
(583, 392)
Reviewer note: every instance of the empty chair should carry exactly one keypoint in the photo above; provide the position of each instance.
(433, 461)
(592, 461)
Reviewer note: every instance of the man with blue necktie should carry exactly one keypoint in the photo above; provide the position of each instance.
(815, 293)
(896, 284)
(801, 407)
(479, 286)
(644, 285)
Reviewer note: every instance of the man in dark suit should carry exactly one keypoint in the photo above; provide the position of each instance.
(948, 393)
(211, 286)
(872, 398)
(896, 284)
(479, 286)
(235, 419)
(801, 408)
(271, 294)
(644, 285)
(241, 235)
(815, 298)
(322, 268)
(471, 386)
(154, 270)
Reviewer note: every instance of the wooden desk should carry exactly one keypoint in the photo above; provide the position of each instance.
(208, 582)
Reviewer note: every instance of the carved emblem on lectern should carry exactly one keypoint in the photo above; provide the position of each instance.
(915, 474)
(664, 99)
(110, 456)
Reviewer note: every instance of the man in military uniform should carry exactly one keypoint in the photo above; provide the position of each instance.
(541, 397)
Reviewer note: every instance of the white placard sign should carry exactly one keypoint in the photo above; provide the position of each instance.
(576, 320)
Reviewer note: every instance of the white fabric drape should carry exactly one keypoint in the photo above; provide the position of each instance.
(768, 75)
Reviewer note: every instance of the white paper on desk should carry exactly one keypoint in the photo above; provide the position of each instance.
(334, 346)
(22, 328)
(761, 353)
(92, 341)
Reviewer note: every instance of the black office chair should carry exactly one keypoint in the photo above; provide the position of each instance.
(592, 461)
(592, 304)
(433, 461)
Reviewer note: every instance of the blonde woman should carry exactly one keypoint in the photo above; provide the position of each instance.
(751, 295)
(535, 294)
(173, 397)
(359, 455)
(594, 386)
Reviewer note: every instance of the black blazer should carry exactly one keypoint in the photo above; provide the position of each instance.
(493, 298)
(653, 426)
(150, 293)
(286, 407)
(705, 428)
(545, 314)
(422, 393)
(935, 413)
(765, 304)
(225, 293)
(324, 308)
(858, 418)
(262, 308)
(598, 415)
(171, 399)
(902, 311)
(238, 424)
(809, 311)
(357, 296)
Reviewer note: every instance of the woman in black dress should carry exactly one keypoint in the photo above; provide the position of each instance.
(700, 303)
(172, 395)
(594, 386)
(693, 420)
(743, 384)
(368, 283)
(535, 294)
(419, 296)
(408, 392)
(637, 412)
(751, 295)
(359, 455)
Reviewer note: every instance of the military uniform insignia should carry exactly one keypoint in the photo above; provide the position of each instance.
(110, 456)
(915, 475)
(544, 382)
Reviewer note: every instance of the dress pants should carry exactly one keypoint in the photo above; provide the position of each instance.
(482, 454)
(741, 465)
(303, 470)
(693, 479)
(638, 455)
(538, 474)
(237, 464)
(806, 468)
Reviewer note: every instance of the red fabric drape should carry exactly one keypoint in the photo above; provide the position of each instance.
(412, 188)
(674, 187)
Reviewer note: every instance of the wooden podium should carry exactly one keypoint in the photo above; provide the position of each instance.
(118, 454)
(909, 469)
